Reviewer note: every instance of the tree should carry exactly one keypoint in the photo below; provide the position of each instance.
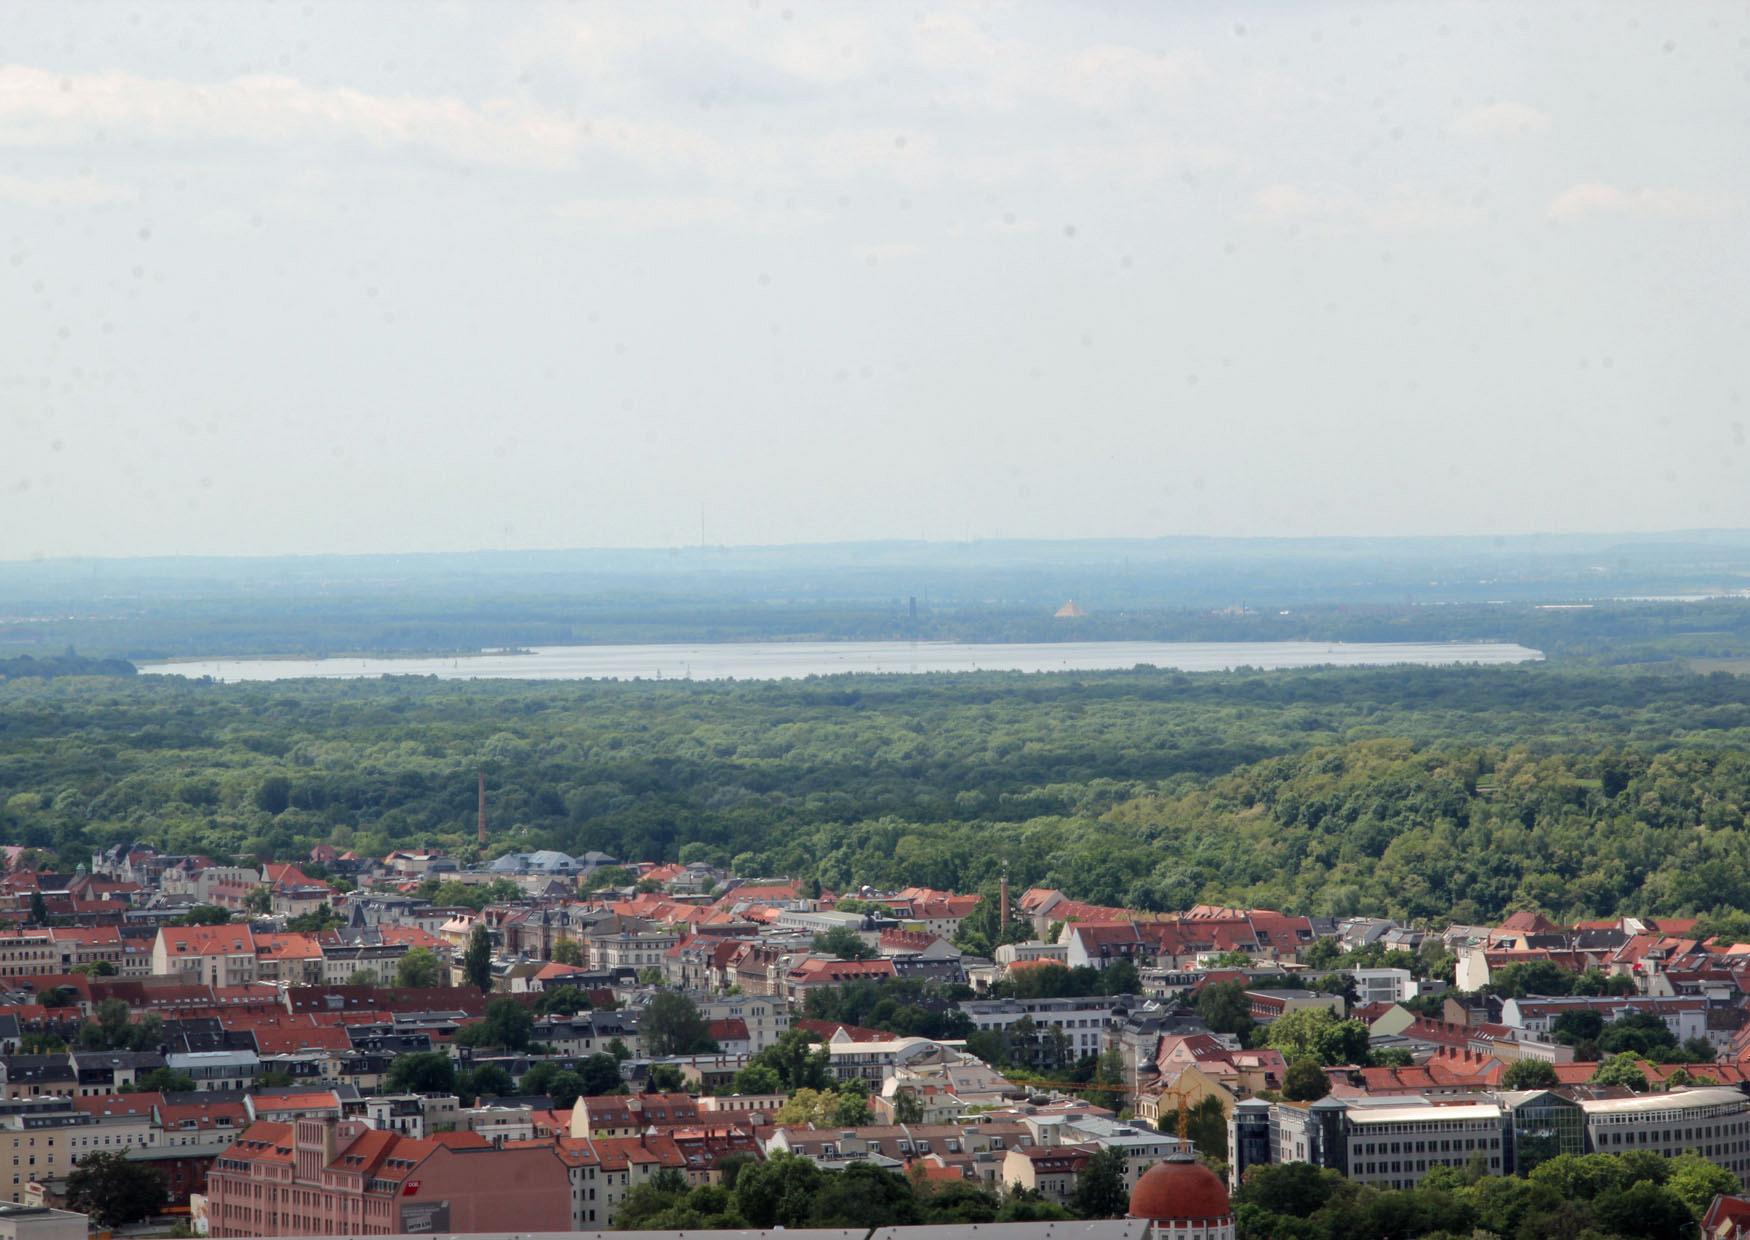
(808, 1106)
(259, 900)
(956, 1203)
(671, 1025)
(507, 1024)
(1529, 1074)
(1573, 1028)
(567, 951)
(1120, 978)
(1320, 1034)
(908, 1108)
(757, 1078)
(112, 1029)
(1305, 1081)
(1624, 1070)
(422, 1072)
(1206, 1125)
(1638, 1033)
(489, 1080)
(115, 1190)
(1027, 1206)
(863, 1195)
(203, 915)
(1580, 1177)
(1099, 1190)
(564, 1089)
(778, 1192)
(1223, 1006)
(477, 960)
(1644, 1211)
(844, 943)
(618, 1050)
(665, 1078)
(1596, 982)
(362, 977)
(162, 1081)
(274, 794)
(851, 1111)
(1532, 977)
(1696, 1181)
(316, 920)
(601, 1075)
(562, 1001)
(1294, 1189)
(419, 969)
(39, 909)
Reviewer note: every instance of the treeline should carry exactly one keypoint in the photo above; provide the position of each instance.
(46, 667)
(1639, 1195)
(1412, 791)
(1604, 633)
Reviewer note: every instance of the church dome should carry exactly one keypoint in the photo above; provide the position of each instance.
(1179, 1188)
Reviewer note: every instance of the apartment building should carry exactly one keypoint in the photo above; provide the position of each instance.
(319, 1177)
(209, 955)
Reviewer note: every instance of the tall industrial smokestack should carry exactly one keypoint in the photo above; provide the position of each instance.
(1003, 904)
(482, 809)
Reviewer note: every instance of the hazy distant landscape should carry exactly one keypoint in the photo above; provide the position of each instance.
(1198, 590)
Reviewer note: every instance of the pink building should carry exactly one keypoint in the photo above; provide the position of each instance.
(326, 1177)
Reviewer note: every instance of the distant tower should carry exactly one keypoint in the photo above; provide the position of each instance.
(482, 809)
(914, 609)
(1003, 903)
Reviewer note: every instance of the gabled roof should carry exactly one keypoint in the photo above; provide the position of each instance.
(263, 1141)
(232, 940)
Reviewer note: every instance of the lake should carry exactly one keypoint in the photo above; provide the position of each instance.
(792, 660)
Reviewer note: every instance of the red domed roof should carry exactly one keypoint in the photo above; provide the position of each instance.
(1179, 1188)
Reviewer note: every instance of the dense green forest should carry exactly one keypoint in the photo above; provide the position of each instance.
(1422, 792)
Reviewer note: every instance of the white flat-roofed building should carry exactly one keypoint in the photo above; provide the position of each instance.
(1684, 1016)
(1384, 985)
(1082, 1020)
(1395, 1146)
(1713, 1122)
(876, 1061)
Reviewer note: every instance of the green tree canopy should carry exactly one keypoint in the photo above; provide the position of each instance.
(672, 1025)
(1624, 1070)
(420, 968)
(115, 1190)
(1529, 1074)
(421, 1072)
(1305, 1081)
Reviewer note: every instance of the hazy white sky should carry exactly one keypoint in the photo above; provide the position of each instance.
(311, 277)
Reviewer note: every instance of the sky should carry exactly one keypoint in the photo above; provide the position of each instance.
(307, 277)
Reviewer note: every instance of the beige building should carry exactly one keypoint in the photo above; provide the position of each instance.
(37, 1144)
(1050, 1171)
(28, 953)
(213, 955)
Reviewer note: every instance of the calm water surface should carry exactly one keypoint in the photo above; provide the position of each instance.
(791, 660)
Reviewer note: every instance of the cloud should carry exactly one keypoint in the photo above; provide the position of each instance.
(56, 193)
(655, 212)
(1595, 198)
(1289, 203)
(1506, 119)
(1403, 209)
(890, 251)
(40, 108)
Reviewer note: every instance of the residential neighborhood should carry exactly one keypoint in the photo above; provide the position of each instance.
(350, 1045)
